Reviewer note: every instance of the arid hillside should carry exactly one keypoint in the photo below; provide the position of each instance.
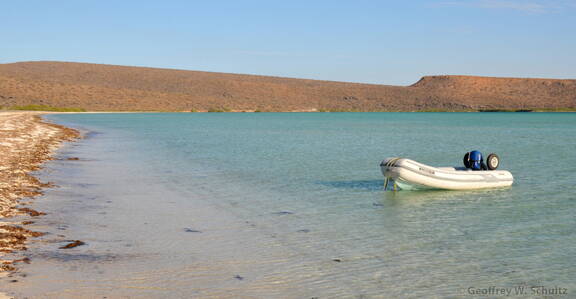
(96, 87)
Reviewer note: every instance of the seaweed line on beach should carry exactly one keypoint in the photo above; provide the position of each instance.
(26, 142)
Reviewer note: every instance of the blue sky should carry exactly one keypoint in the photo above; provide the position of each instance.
(384, 42)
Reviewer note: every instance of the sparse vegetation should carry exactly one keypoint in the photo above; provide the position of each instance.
(346, 110)
(47, 108)
(441, 110)
(554, 110)
(496, 110)
(218, 110)
(531, 110)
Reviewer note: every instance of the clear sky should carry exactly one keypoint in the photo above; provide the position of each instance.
(387, 42)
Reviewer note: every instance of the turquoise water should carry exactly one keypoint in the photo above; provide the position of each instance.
(291, 205)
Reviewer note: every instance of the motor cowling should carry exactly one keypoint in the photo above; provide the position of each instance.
(474, 160)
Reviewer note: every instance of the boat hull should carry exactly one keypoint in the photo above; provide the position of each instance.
(408, 174)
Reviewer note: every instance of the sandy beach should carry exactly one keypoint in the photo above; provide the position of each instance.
(26, 141)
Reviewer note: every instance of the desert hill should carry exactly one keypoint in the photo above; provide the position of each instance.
(97, 87)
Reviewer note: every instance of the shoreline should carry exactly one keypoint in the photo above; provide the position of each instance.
(26, 142)
(310, 110)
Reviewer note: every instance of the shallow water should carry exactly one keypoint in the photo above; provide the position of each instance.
(292, 205)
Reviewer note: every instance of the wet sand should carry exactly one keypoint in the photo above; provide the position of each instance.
(26, 141)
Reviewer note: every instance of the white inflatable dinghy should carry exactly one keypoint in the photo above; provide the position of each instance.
(406, 174)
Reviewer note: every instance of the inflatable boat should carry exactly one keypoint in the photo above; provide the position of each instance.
(406, 174)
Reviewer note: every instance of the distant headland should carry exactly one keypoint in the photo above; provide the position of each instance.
(96, 87)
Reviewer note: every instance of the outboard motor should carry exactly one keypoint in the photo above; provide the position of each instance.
(474, 161)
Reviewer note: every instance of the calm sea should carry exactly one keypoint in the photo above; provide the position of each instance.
(291, 205)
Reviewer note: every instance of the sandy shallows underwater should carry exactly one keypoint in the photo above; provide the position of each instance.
(292, 206)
